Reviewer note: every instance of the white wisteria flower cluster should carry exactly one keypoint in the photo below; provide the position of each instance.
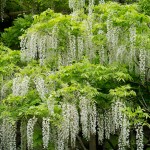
(88, 117)
(139, 136)
(142, 61)
(40, 86)
(100, 124)
(20, 86)
(76, 4)
(2, 7)
(36, 45)
(70, 123)
(8, 135)
(30, 130)
(46, 132)
(113, 121)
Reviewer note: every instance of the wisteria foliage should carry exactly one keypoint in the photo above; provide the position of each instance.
(45, 45)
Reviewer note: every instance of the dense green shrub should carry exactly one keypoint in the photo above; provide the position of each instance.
(145, 6)
(10, 37)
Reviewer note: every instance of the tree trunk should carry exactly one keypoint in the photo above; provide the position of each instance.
(92, 143)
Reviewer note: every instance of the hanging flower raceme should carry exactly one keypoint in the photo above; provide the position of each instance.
(70, 123)
(102, 55)
(30, 130)
(72, 48)
(2, 7)
(4, 90)
(92, 118)
(120, 122)
(76, 4)
(29, 47)
(142, 60)
(101, 1)
(89, 47)
(88, 117)
(112, 39)
(100, 124)
(80, 47)
(46, 132)
(91, 4)
(139, 136)
(8, 135)
(36, 45)
(50, 104)
(107, 123)
(63, 135)
(132, 39)
(121, 52)
(40, 86)
(123, 140)
(117, 114)
(84, 117)
(60, 143)
(74, 124)
(20, 86)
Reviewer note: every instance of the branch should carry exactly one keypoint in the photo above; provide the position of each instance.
(14, 14)
(84, 148)
(144, 103)
(110, 144)
(148, 24)
(17, 13)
